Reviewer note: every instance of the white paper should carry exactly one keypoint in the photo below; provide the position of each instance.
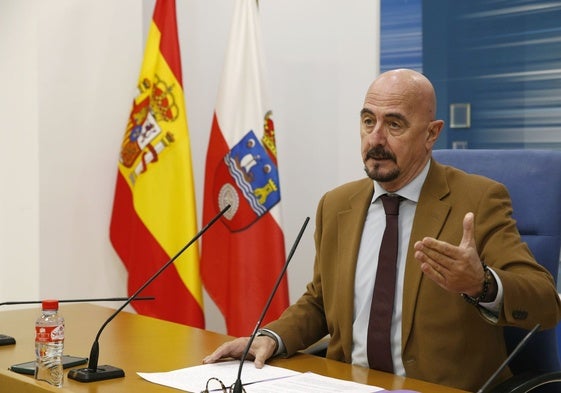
(310, 383)
(193, 379)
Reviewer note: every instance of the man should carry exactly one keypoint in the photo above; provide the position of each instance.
(457, 242)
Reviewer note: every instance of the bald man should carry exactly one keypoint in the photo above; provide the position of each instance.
(460, 261)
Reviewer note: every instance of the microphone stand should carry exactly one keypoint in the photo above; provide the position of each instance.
(8, 340)
(105, 299)
(238, 386)
(507, 361)
(95, 373)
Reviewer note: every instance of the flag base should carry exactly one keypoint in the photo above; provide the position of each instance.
(102, 373)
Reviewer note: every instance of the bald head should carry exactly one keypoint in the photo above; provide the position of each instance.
(408, 86)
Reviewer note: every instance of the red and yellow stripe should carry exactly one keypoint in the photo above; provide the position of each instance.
(154, 211)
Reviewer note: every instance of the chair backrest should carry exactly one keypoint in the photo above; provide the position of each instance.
(533, 179)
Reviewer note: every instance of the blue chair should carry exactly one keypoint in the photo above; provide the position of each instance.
(533, 179)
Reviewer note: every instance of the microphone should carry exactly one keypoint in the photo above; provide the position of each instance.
(8, 340)
(238, 388)
(93, 372)
(514, 352)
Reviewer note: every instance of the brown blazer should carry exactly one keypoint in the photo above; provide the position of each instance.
(444, 339)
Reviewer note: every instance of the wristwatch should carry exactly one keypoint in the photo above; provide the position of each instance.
(488, 277)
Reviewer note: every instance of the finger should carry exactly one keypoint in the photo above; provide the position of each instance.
(468, 236)
(259, 361)
(229, 349)
(213, 357)
(431, 268)
(432, 272)
(436, 254)
(428, 265)
(262, 350)
(438, 247)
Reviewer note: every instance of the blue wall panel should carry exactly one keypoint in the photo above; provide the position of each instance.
(501, 56)
(504, 58)
(401, 43)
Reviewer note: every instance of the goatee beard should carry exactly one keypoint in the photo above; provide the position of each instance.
(374, 174)
(378, 153)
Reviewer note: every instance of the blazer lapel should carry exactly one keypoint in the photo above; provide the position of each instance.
(430, 216)
(350, 224)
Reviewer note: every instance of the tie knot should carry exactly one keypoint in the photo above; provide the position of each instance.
(391, 203)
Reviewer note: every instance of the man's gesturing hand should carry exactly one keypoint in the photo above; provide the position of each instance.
(455, 268)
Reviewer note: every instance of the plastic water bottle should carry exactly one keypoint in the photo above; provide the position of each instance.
(49, 344)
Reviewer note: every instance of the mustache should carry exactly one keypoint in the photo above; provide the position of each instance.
(379, 153)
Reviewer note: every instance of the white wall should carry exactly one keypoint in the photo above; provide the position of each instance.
(69, 71)
(19, 160)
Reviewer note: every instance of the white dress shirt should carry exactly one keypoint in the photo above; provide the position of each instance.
(367, 264)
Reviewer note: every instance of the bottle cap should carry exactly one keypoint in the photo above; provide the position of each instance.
(50, 304)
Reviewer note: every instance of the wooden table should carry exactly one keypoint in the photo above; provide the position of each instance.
(138, 343)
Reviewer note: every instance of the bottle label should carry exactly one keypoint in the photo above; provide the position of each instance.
(48, 334)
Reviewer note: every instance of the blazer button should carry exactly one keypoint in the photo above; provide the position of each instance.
(519, 314)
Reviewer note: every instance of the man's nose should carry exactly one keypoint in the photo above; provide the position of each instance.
(378, 135)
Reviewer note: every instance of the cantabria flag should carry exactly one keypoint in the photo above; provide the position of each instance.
(244, 253)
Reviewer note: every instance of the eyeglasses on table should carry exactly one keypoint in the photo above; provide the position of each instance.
(216, 385)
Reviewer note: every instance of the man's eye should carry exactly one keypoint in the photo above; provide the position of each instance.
(368, 122)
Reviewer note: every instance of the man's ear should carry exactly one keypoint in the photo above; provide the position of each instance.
(433, 132)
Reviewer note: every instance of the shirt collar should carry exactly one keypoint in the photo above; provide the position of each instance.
(410, 191)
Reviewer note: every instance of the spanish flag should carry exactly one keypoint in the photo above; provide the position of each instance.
(244, 253)
(154, 212)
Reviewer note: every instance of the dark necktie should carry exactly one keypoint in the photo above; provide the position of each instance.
(378, 344)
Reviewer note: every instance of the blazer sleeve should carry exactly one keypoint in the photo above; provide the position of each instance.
(304, 323)
(530, 295)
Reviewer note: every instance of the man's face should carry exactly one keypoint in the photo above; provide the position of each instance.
(396, 133)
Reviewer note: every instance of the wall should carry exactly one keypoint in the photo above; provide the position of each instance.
(70, 71)
(19, 163)
(503, 58)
